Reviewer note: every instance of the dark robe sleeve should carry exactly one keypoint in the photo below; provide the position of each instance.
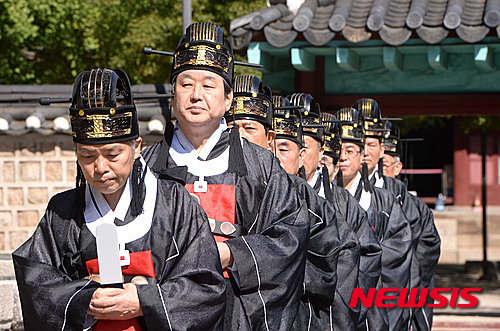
(370, 260)
(53, 297)
(427, 254)
(327, 243)
(412, 214)
(395, 237)
(271, 259)
(189, 292)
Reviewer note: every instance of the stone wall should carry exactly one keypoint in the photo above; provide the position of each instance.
(32, 169)
(460, 229)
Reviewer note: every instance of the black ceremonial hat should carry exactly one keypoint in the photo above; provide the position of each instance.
(351, 126)
(373, 123)
(251, 101)
(310, 114)
(392, 144)
(331, 136)
(203, 47)
(102, 109)
(287, 124)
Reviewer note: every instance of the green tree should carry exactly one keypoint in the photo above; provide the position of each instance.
(50, 41)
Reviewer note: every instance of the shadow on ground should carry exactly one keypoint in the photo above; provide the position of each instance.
(458, 276)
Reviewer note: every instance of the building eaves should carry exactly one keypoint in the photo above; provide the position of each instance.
(356, 21)
(21, 112)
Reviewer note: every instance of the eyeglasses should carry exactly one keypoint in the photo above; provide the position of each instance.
(350, 152)
(390, 164)
(326, 163)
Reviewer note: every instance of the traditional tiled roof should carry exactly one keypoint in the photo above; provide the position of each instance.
(393, 21)
(21, 112)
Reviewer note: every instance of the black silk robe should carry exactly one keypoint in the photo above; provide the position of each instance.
(348, 208)
(394, 233)
(425, 245)
(270, 258)
(348, 211)
(325, 303)
(427, 255)
(185, 287)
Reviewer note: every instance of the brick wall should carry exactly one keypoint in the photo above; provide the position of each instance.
(32, 169)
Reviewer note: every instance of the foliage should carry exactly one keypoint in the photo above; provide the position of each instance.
(468, 123)
(51, 41)
(412, 124)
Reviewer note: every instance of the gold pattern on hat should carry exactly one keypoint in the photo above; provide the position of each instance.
(240, 107)
(347, 131)
(81, 113)
(243, 84)
(285, 127)
(201, 56)
(98, 125)
(239, 103)
(88, 87)
(201, 52)
(102, 77)
(204, 31)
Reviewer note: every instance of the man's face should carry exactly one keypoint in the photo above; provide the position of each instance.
(199, 98)
(289, 154)
(350, 160)
(373, 151)
(107, 167)
(327, 161)
(392, 167)
(254, 132)
(312, 156)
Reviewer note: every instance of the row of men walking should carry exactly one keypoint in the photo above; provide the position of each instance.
(296, 200)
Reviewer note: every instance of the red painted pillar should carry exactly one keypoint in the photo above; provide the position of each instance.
(312, 82)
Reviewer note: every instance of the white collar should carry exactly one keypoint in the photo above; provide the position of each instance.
(184, 154)
(374, 172)
(133, 230)
(182, 144)
(313, 180)
(355, 184)
(365, 199)
(379, 181)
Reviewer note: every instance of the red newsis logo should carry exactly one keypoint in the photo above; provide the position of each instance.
(409, 298)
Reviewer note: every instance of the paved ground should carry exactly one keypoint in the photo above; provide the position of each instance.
(486, 316)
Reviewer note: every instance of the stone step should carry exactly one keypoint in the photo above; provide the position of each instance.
(465, 323)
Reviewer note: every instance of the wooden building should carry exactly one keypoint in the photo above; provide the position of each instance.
(414, 57)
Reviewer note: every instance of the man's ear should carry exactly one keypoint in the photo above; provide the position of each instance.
(271, 135)
(398, 166)
(302, 155)
(137, 149)
(229, 100)
(382, 149)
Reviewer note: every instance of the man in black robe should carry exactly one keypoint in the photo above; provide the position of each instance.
(331, 149)
(312, 138)
(160, 229)
(385, 216)
(288, 148)
(260, 223)
(427, 242)
(328, 238)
